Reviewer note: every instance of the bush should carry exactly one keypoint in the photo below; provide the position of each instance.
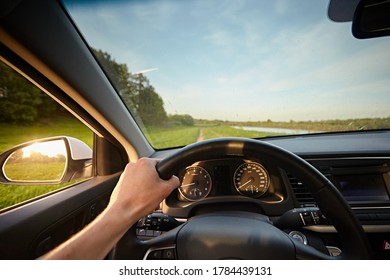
(185, 120)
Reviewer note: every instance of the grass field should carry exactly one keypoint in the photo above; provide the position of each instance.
(49, 171)
(12, 194)
(13, 134)
(177, 136)
(160, 138)
(223, 131)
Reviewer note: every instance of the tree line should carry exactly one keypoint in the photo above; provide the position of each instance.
(22, 102)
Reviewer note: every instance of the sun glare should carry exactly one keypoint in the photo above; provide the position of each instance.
(50, 149)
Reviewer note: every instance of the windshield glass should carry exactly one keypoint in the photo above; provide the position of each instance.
(192, 70)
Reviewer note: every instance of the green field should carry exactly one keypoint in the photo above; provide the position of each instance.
(13, 134)
(160, 138)
(51, 171)
(177, 136)
(12, 194)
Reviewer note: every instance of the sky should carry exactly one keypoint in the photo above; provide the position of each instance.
(248, 60)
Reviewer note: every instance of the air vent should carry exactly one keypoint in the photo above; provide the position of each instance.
(302, 194)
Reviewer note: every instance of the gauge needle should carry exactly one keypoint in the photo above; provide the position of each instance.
(188, 185)
(246, 183)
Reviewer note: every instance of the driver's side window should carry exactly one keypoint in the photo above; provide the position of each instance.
(29, 115)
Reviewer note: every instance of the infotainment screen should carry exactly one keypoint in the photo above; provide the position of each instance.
(362, 187)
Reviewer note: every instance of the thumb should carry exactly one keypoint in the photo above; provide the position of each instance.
(174, 181)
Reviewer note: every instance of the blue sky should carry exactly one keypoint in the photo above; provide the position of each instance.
(244, 60)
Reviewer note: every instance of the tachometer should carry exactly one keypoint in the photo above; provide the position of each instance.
(251, 179)
(196, 183)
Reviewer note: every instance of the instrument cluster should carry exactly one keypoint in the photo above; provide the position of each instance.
(225, 177)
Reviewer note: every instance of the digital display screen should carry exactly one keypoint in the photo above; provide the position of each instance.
(366, 187)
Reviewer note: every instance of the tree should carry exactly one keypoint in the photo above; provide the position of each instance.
(120, 77)
(21, 101)
(135, 90)
(151, 107)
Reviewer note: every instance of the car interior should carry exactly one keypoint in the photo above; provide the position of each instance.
(298, 192)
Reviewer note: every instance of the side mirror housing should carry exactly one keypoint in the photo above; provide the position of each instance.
(371, 19)
(46, 161)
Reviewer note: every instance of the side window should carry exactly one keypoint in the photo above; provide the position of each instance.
(43, 147)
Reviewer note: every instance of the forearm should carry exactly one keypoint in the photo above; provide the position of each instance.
(138, 192)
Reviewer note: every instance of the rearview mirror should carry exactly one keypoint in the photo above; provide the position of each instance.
(46, 161)
(371, 19)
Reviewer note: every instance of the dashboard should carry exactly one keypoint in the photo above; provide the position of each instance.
(363, 181)
(357, 164)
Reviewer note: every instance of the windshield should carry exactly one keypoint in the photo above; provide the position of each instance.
(192, 70)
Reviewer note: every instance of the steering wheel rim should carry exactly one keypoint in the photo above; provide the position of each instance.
(339, 213)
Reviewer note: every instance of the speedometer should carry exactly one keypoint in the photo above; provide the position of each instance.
(251, 179)
(196, 183)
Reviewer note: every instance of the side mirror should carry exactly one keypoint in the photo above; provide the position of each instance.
(371, 19)
(46, 161)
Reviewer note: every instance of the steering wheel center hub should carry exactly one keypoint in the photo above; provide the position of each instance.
(235, 235)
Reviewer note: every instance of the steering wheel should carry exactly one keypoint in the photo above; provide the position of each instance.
(244, 235)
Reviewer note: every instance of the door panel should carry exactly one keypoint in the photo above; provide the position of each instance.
(31, 230)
